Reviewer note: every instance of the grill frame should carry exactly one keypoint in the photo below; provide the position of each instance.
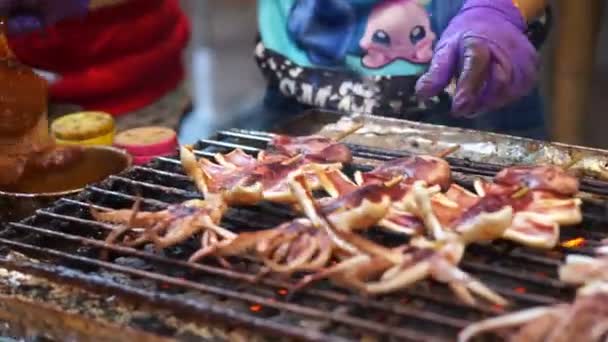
(180, 188)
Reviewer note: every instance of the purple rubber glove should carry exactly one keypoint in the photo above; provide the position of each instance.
(486, 49)
(31, 15)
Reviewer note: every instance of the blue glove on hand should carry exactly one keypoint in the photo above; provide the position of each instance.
(31, 15)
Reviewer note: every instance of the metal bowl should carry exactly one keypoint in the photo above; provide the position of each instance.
(15, 206)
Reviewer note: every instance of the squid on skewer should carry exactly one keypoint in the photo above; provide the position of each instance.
(300, 245)
(377, 269)
(168, 227)
(584, 320)
(539, 214)
(243, 180)
(315, 148)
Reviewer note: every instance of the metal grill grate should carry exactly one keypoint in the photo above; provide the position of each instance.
(68, 241)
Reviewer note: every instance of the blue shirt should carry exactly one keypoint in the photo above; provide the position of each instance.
(366, 55)
(369, 37)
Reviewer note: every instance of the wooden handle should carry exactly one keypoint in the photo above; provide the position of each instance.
(96, 4)
(577, 36)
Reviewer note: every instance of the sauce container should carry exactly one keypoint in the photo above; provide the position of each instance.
(39, 190)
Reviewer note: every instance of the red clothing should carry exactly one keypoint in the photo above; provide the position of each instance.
(118, 59)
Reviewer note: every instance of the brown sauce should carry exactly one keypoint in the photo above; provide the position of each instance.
(92, 166)
(24, 94)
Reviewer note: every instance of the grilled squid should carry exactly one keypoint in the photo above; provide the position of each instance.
(378, 270)
(167, 227)
(315, 148)
(584, 320)
(243, 180)
(303, 244)
(375, 269)
(586, 271)
(539, 214)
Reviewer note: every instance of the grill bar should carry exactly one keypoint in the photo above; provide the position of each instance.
(514, 274)
(201, 310)
(166, 189)
(334, 296)
(68, 241)
(373, 327)
(238, 276)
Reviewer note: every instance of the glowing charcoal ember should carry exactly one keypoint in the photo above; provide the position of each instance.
(574, 243)
(520, 290)
(498, 307)
(256, 308)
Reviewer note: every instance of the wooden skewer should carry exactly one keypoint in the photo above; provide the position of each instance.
(7, 52)
(292, 159)
(97, 4)
(572, 162)
(448, 151)
(350, 131)
(523, 191)
(393, 181)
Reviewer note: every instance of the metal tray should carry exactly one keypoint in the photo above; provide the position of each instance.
(476, 146)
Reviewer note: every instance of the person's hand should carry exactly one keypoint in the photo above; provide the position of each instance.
(486, 50)
(31, 15)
